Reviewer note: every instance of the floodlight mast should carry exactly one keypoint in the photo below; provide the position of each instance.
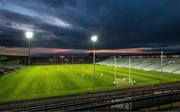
(115, 66)
(162, 56)
(129, 69)
(94, 40)
(72, 60)
(29, 36)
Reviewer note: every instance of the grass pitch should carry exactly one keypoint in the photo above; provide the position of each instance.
(54, 80)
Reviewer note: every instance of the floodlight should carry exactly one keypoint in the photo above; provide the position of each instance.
(29, 34)
(94, 38)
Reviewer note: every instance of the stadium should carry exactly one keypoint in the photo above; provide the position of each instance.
(49, 64)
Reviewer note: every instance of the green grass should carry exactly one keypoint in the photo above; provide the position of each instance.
(54, 80)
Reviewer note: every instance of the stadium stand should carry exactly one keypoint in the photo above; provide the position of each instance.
(169, 65)
(169, 68)
(177, 71)
(156, 64)
(145, 62)
(1, 72)
(6, 68)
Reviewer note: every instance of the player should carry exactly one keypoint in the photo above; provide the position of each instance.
(114, 83)
(134, 82)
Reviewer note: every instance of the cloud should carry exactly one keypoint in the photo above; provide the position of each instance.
(38, 50)
(122, 51)
(68, 24)
(48, 19)
(35, 51)
(24, 51)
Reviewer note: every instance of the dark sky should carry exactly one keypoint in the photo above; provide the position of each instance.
(68, 24)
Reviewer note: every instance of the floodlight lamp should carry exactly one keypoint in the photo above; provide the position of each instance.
(94, 38)
(29, 34)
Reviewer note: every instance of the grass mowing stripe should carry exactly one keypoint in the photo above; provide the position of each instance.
(54, 80)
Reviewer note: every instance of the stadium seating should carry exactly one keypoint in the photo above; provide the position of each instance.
(177, 71)
(1, 72)
(6, 68)
(170, 65)
(145, 62)
(170, 68)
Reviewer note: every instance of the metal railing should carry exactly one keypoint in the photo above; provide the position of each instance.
(92, 100)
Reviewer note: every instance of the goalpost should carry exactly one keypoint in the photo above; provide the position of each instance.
(118, 81)
(131, 81)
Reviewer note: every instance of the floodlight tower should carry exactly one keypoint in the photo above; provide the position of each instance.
(129, 69)
(29, 36)
(162, 56)
(72, 60)
(94, 40)
(115, 66)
